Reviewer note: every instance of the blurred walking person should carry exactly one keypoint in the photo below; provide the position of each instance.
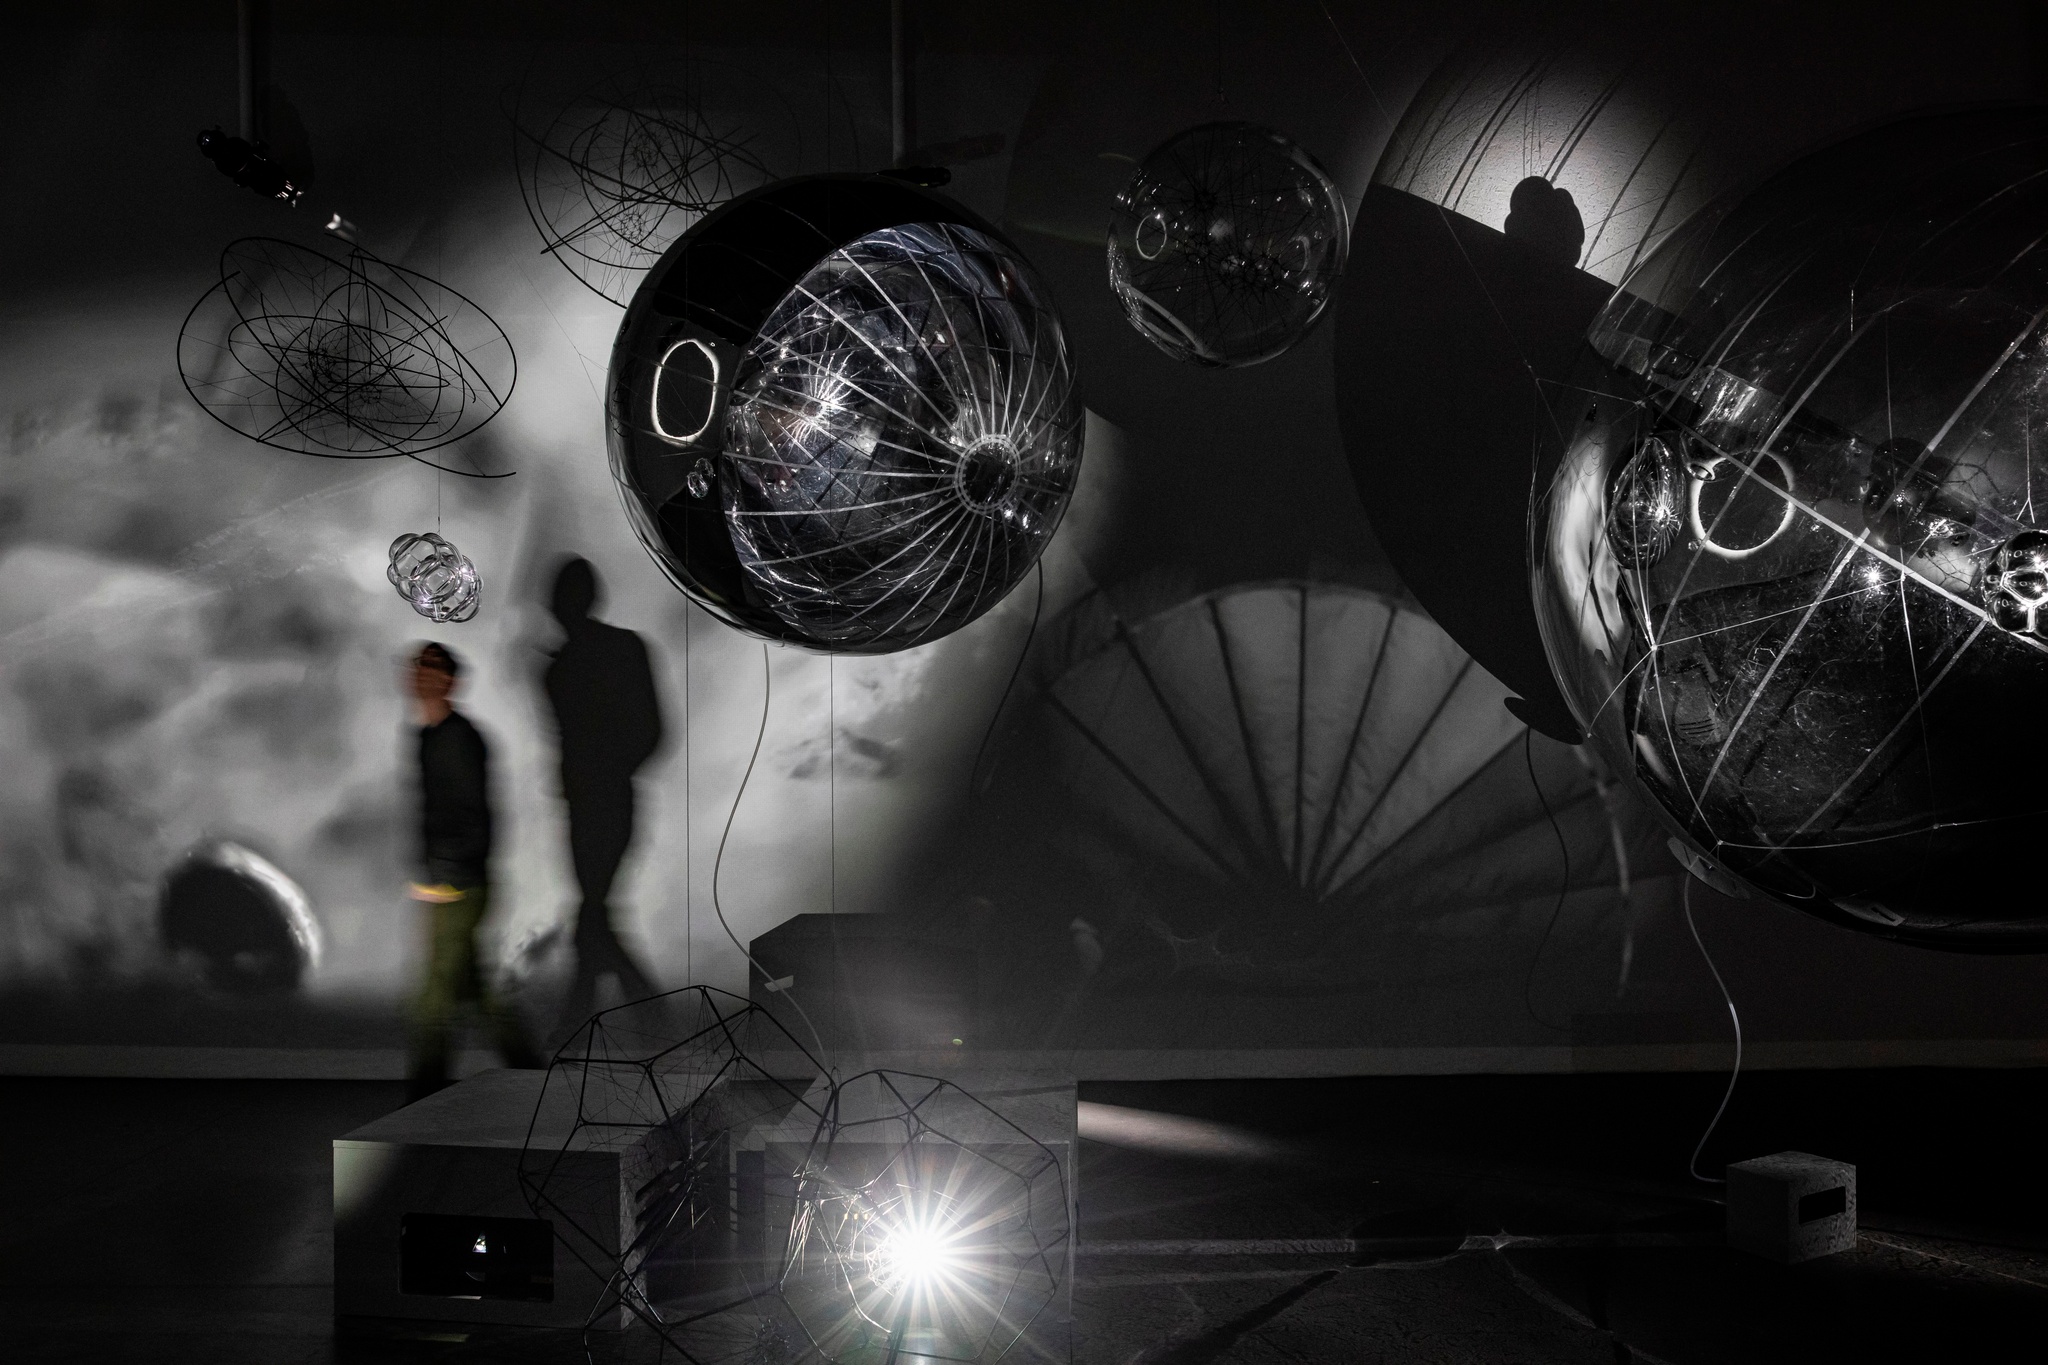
(453, 886)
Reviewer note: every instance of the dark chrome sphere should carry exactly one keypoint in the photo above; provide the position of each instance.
(1790, 566)
(843, 414)
(1226, 244)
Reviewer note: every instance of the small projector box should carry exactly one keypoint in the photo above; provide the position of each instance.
(1792, 1207)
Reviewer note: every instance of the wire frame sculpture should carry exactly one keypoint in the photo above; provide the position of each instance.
(844, 415)
(926, 1226)
(1787, 563)
(434, 578)
(770, 1215)
(625, 167)
(344, 356)
(1275, 777)
(1225, 245)
(667, 1084)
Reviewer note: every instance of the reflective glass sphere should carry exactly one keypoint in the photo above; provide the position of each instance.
(1224, 247)
(843, 415)
(1791, 563)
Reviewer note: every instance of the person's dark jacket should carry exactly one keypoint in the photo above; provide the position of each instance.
(455, 804)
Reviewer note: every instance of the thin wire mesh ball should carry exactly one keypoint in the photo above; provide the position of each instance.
(434, 577)
(843, 415)
(1791, 558)
(341, 356)
(624, 167)
(1225, 245)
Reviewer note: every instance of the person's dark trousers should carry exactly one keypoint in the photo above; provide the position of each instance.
(454, 979)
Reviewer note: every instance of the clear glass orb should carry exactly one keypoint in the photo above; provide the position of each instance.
(1790, 565)
(1224, 247)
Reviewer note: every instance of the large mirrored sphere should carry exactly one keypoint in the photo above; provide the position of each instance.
(1225, 245)
(844, 415)
(1790, 562)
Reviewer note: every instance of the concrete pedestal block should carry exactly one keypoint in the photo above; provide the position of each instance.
(430, 1220)
(1792, 1207)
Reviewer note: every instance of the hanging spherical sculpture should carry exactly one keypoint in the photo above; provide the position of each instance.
(1224, 247)
(842, 414)
(436, 578)
(1791, 563)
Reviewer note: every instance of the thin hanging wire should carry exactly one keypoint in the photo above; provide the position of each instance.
(1037, 605)
(689, 848)
(718, 862)
(1564, 884)
(1735, 1073)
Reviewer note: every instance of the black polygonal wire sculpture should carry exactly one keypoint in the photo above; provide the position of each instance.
(1226, 244)
(843, 414)
(926, 1226)
(342, 356)
(1788, 560)
(625, 167)
(435, 579)
(667, 1084)
(765, 1217)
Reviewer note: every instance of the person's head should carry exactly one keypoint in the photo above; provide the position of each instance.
(431, 673)
(575, 595)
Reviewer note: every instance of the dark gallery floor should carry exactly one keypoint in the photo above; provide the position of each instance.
(149, 1221)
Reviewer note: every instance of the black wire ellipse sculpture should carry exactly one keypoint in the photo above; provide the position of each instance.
(624, 168)
(1787, 559)
(342, 356)
(843, 414)
(1225, 246)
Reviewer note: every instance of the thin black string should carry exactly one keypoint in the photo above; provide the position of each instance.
(1735, 1073)
(974, 770)
(718, 862)
(689, 849)
(1564, 884)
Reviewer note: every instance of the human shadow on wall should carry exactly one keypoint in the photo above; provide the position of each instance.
(600, 686)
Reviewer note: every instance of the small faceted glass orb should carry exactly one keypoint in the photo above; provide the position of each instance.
(843, 415)
(436, 578)
(1792, 566)
(1226, 244)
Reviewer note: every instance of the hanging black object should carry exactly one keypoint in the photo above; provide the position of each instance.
(248, 164)
(843, 414)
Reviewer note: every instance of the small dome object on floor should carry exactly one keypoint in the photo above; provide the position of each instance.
(1225, 246)
(1790, 565)
(843, 414)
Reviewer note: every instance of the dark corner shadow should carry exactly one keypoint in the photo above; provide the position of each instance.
(600, 686)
